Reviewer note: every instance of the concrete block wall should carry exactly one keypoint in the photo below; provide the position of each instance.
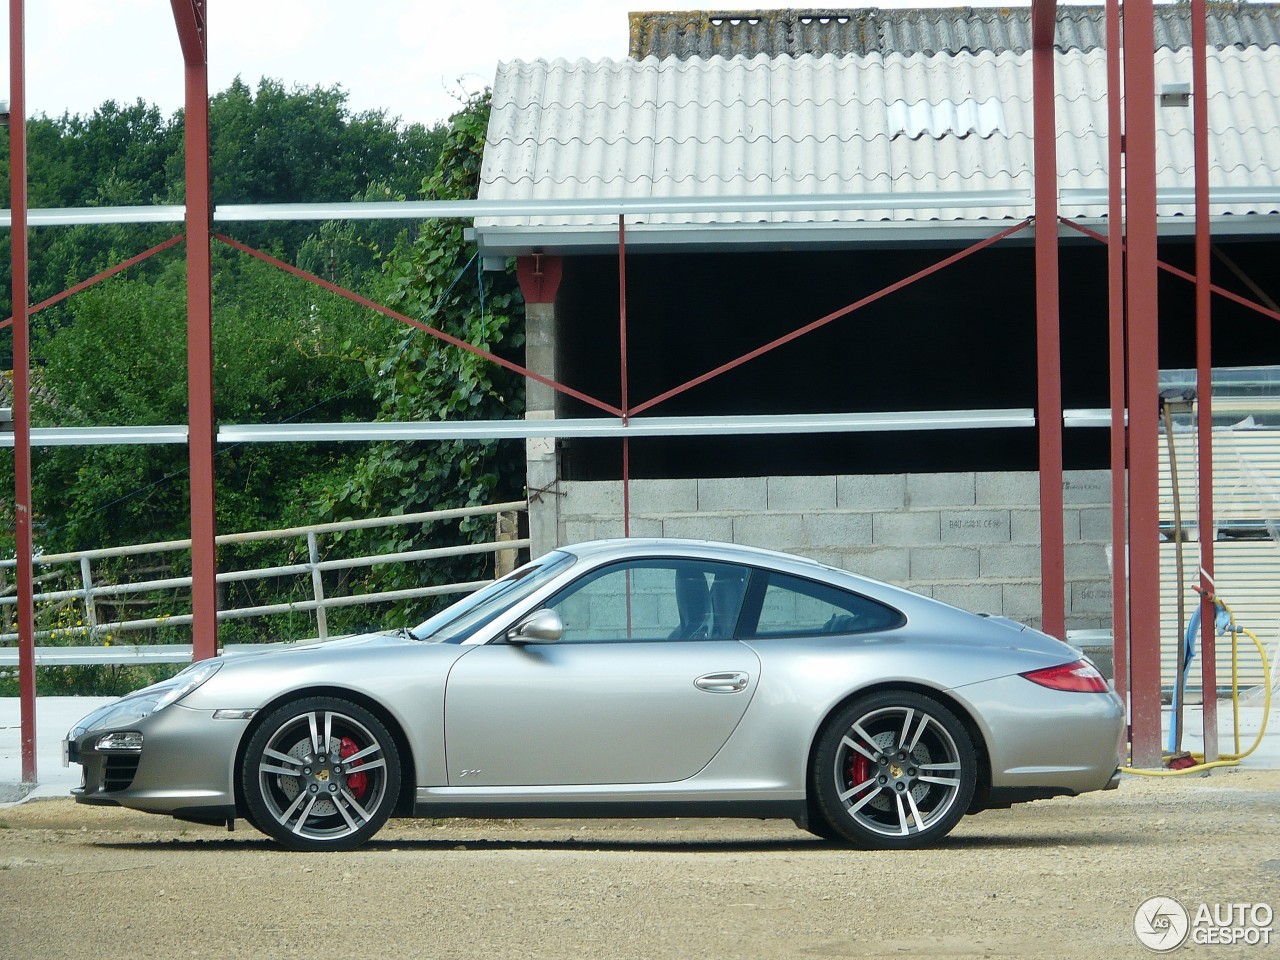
(970, 539)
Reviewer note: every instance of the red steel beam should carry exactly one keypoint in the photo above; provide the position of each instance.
(424, 327)
(189, 17)
(1044, 16)
(22, 388)
(98, 278)
(622, 355)
(1181, 274)
(1115, 324)
(835, 315)
(1204, 378)
(1048, 340)
(1141, 301)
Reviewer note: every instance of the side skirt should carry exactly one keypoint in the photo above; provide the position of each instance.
(612, 809)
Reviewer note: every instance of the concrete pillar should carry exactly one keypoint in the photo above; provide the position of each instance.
(539, 280)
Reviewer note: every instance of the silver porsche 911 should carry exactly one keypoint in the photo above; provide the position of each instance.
(625, 678)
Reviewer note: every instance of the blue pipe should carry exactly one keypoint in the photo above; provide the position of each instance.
(1189, 645)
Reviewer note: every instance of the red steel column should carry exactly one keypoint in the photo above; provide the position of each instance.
(22, 387)
(1144, 382)
(1204, 376)
(1115, 315)
(1048, 353)
(189, 15)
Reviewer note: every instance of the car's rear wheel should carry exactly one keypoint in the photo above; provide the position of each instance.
(320, 774)
(893, 770)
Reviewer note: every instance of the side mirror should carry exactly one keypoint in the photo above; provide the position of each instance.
(541, 626)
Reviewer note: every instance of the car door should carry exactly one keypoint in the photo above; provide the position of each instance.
(645, 685)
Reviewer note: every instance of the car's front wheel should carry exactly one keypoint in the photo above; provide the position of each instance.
(893, 770)
(321, 774)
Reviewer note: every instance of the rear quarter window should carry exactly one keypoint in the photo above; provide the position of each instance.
(795, 607)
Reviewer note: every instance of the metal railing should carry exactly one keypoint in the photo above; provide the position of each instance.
(505, 547)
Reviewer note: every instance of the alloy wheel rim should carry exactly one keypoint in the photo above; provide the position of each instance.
(897, 771)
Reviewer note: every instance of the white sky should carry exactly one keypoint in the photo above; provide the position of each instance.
(410, 57)
(407, 56)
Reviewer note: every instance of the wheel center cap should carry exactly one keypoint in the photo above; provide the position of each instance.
(322, 776)
(895, 770)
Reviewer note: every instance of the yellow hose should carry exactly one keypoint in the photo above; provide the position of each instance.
(1227, 759)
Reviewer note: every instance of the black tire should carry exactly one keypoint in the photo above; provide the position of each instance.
(320, 774)
(893, 771)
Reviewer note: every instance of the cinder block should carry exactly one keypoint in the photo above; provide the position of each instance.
(1095, 524)
(1070, 526)
(664, 497)
(611, 528)
(578, 531)
(944, 563)
(940, 490)
(733, 495)
(870, 492)
(883, 563)
(802, 493)
(1024, 526)
(974, 597)
(1087, 561)
(837, 530)
(775, 531)
(698, 527)
(976, 526)
(1020, 489)
(1009, 561)
(591, 498)
(1087, 486)
(1090, 598)
(907, 528)
(1022, 601)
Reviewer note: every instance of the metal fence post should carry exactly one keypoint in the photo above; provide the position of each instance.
(90, 608)
(506, 528)
(317, 586)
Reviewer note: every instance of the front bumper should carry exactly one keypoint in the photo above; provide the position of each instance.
(186, 767)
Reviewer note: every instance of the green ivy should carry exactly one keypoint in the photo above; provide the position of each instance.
(436, 278)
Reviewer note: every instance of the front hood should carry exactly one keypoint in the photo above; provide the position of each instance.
(381, 639)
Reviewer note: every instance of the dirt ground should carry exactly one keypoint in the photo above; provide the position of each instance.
(1059, 878)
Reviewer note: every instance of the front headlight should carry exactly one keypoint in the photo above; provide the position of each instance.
(188, 680)
(142, 704)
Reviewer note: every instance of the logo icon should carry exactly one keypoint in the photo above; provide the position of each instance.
(1161, 924)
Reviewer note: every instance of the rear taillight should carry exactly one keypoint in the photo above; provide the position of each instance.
(1080, 677)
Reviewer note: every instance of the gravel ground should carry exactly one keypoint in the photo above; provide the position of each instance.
(1058, 878)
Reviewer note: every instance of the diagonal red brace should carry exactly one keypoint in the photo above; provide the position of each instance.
(98, 278)
(823, 321)
(424, 327)
(1170, 268)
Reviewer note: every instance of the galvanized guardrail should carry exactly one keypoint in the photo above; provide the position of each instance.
(505, 546)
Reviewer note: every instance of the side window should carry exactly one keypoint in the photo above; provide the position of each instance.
(648, 600)
(795, 607)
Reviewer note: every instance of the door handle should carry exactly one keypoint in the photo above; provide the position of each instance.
(733, 682)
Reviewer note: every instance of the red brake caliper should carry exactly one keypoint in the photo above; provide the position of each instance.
(357, 783)
(859, 770)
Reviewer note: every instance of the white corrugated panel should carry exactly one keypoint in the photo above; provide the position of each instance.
(1246, 484)
(787, 126)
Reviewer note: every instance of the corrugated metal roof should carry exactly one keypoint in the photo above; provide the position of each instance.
(827, 125)
(861, 31)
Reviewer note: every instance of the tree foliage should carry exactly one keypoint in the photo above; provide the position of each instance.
(438, 279)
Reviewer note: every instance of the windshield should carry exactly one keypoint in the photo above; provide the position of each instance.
(457, 622)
